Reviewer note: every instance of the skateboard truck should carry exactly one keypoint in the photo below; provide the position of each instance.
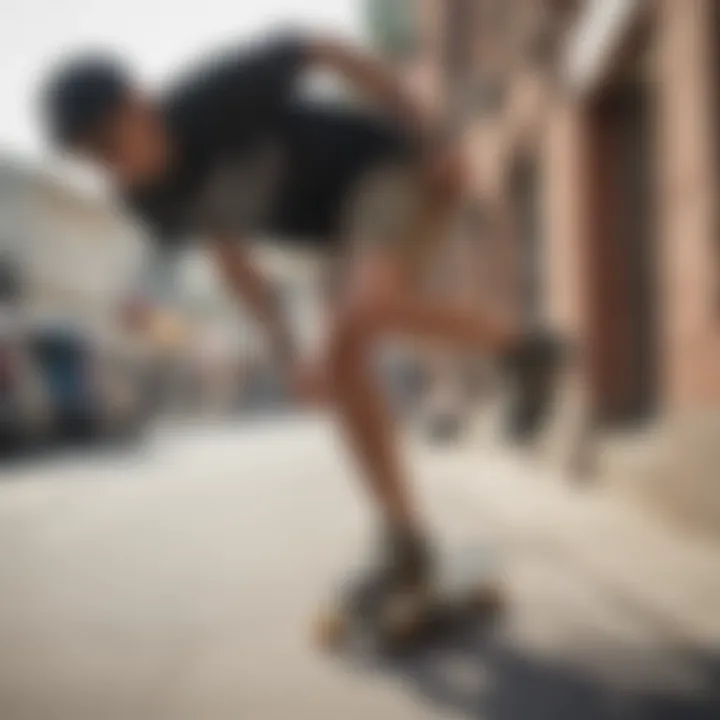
(404, 619)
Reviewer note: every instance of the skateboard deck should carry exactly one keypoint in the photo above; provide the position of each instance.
(467, 586)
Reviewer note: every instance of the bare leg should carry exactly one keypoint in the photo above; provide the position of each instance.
(362, 409)
(381, 298)
(457, 327)
(380, 301)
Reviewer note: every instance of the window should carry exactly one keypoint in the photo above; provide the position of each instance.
(460, 38)
(392, 26)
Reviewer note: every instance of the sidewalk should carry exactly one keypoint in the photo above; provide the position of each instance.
(643, 562)
(181, 582)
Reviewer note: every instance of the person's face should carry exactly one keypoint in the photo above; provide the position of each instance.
(133, 144)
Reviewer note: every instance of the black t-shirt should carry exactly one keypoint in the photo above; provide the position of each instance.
(255, 157)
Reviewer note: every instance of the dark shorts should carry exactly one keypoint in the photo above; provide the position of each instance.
(392, 209)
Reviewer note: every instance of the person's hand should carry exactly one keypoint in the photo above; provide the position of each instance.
(309, 384)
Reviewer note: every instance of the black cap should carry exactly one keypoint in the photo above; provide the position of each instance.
(81, 94)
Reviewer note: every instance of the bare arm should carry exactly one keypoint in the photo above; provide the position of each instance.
(249, 285)
(372, 77)
(436, 143)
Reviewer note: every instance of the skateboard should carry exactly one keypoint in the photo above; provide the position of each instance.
(467, 586)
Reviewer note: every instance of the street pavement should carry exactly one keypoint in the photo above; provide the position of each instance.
(180, 580)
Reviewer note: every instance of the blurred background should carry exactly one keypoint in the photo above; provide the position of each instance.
(168, 512)
(70, 262)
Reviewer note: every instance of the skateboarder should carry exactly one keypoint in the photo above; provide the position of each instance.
(233, 152)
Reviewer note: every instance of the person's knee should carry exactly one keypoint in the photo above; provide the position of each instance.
(449, 175)
(354, 333)
(361, 315)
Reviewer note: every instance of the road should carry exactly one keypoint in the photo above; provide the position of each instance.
(179, 580)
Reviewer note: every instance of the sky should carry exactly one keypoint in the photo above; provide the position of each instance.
(156, 36)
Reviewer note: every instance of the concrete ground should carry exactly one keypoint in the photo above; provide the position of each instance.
(180, 581)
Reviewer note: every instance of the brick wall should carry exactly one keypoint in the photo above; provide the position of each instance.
(550, 125)
(564, 177)
(688, 195)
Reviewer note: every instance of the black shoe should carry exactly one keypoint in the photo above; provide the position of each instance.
(403, 564)
(534, 366)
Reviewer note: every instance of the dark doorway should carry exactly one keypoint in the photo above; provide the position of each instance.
(525, 194)
(622, 256)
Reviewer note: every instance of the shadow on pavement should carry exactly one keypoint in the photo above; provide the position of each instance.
(473, 674)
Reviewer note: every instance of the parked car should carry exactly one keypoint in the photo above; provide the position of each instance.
(66, 364)
(123, 383)
(25, 405)
(93, 395)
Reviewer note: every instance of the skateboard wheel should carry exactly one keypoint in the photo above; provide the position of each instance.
(331, 629)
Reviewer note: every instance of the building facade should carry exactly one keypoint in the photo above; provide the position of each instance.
(594, 132)
(73, 257)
